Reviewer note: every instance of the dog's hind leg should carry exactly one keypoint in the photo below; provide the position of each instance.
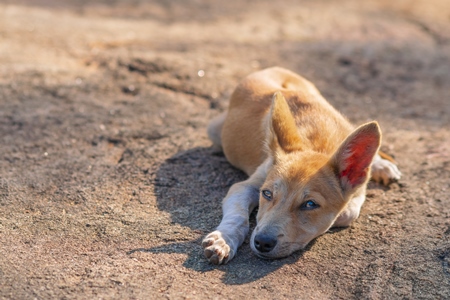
(215, 130)
(384, 169)
(221, 245)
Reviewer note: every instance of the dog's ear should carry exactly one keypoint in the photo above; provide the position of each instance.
(282, 133)
(353, 158)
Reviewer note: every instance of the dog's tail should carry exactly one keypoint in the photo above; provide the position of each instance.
(215, 130)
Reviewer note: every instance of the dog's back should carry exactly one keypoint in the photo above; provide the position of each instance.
(320, 127)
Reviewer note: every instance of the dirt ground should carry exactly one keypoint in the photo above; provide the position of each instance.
(107, 180)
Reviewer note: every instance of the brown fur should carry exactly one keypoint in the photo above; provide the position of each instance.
(295, 146)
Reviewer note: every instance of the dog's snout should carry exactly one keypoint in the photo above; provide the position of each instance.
(265, 243)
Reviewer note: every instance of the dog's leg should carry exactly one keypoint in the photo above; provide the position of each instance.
(215, 130)
(351, 212)
(384, 170)
(221, 245)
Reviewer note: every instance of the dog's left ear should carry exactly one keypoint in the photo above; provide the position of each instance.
(353, 158)
(282, 132)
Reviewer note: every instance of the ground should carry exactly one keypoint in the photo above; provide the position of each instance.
(108, 182)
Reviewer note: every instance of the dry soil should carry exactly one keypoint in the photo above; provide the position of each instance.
(107, 179)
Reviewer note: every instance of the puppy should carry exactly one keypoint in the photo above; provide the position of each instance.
(308, 166)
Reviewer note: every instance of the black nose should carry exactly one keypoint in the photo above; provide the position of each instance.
(264, 243)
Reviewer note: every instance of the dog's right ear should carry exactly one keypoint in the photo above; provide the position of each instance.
(282, 133)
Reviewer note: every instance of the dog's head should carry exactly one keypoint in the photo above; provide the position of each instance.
(305, 191)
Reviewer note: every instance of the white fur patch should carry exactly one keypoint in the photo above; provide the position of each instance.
(384, 171)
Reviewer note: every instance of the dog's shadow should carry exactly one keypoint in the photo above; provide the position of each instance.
(191, 186)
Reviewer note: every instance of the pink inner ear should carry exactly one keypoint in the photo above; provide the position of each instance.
(361, 149)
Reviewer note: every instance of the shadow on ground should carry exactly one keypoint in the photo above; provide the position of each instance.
(191, 186)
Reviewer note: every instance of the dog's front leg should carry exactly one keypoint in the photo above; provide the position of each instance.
(221, 245)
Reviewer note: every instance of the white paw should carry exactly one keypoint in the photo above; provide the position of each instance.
(216, 248)
(383, 171)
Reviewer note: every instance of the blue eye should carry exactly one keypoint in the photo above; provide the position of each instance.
(267, 194)
(309, 205)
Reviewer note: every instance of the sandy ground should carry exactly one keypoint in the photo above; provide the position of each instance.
(107, 179)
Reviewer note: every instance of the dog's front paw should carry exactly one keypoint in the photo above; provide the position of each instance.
(383, 171)
(217, 250)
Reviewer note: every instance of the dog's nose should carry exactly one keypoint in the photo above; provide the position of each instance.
(264, 243)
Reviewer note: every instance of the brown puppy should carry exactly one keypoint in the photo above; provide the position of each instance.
(308, 166)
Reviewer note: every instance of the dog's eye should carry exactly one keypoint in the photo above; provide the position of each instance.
(267, 194)
(309, 205)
